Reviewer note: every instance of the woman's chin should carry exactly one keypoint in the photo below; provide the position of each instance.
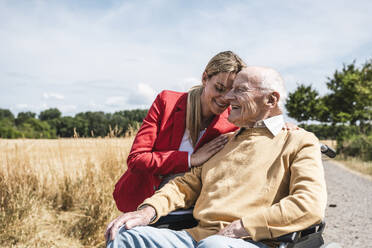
(218, 110)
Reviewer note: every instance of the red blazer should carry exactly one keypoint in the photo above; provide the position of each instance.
(155, 149)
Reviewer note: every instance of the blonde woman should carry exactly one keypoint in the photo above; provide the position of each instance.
(181, 130)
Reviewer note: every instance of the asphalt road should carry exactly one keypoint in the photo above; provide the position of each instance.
(349, 209)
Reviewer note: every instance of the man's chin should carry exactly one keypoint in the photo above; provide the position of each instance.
(234, 121)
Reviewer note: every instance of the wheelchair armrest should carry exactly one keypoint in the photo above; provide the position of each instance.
(177, 220)
(287, 238)
(294, 236)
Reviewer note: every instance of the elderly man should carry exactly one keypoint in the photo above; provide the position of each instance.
(265, 182)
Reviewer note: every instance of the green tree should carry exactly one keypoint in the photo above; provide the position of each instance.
(8, 130)
(50, 114)
(67, 126)
(34, 129)
(349, 100)
(304, 104)
(23, 117)
(98, 124)
(6, 114)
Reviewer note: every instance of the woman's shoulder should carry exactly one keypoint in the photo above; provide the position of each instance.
(170, 98)
(165, 94)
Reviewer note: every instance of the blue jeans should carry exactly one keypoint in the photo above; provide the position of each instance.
(151, 237)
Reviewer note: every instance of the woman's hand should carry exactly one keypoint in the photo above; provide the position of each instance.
(290, 126)
(140, 217)
(208, 150)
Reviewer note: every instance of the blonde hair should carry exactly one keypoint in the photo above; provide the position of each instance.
(222, 62)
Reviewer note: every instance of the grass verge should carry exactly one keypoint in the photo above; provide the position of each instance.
(58, 193)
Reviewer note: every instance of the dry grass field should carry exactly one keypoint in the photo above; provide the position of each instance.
(356, 164)
(58, 193)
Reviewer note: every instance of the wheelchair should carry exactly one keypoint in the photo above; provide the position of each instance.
(310, 237)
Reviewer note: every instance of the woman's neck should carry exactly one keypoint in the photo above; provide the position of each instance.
(207, 114)
(206, 121)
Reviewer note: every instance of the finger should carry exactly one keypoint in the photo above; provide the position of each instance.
(223, 138)
(107, 234)
(108, 229)
(125, 217)
(217, 143)
(218, 146)
(115, 228)
(215, 150)
(110, 224)
(113, 231)
(135, 222)
(217, 140)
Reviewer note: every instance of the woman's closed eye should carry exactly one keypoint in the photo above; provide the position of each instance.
(219, 88)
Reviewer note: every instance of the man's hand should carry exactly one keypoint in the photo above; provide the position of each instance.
(234, 230)
(140, 217)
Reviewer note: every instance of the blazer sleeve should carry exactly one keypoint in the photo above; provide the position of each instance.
(306, 202)
(143, 157)
(179, 193)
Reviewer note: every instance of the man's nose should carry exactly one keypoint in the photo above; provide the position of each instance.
(229, 96)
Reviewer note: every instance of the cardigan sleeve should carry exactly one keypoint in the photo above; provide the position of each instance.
(305, 203)
(143, 157)
(179, 193)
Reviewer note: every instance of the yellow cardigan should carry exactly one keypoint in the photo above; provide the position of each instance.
(274, 184)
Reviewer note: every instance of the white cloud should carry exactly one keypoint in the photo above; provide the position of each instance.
(186, 83)
(115, 101)
(45, 44)
(22, 106)
(95, 106)
(140, 96)
(145, 91)
(53, 96)
(67, 108)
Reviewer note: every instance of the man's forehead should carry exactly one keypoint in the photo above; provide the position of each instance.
(248, 77)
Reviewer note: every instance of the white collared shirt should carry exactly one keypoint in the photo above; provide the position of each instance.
(186, 145)
(274, 124)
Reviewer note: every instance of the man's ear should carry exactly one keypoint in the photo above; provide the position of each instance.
(204, 78)
(273, 99)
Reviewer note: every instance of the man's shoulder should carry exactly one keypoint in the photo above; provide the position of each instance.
(297, 140)
(302, 136)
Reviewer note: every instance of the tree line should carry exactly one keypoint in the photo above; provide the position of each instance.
(343, 114)
(51, 124)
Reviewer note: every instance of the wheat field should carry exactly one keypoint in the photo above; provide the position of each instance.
(58, 193)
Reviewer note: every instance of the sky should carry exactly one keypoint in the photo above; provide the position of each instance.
(111, 55)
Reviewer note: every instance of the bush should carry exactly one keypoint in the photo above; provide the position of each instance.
(352, 140)
(7, 130)
(339, 132)
(359, 145)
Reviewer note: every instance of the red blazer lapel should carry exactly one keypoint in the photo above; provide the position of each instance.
(218, 126)
(179, 122)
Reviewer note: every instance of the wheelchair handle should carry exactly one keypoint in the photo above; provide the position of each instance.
(327, 151)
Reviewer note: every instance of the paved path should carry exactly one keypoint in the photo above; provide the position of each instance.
(349, 210)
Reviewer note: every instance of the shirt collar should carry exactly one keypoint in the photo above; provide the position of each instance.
(274, 124)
